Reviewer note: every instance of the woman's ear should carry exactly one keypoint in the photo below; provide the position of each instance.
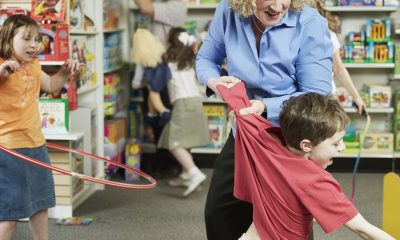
(305, 145)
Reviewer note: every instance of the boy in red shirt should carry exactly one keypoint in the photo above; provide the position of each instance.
(281, 171)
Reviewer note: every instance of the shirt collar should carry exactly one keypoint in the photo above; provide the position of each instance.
(289, 19)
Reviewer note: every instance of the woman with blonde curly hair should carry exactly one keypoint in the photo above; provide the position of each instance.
(280, 49)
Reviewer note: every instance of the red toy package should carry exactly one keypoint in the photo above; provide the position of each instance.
(48, 11)
(54, 42)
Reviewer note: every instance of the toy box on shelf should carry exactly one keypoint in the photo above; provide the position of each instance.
(54, 42)
(379, 95)
(377, 3)
(397, 60)
(132, 159)
(85, 58)
(217, 120)
(396, 120)
(114, 141)
(374, 45)
(344, 98)
(9, 11)
(48, 10)
(54, 115)
(378, 142)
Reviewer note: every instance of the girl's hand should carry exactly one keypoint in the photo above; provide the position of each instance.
(256, 106)
(8, 67)
(69, 67)
(360, 105)
(228, 81)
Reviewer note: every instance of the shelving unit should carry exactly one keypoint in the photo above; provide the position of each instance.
(353, 19)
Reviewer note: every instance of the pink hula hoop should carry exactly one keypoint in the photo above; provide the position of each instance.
(152, 181)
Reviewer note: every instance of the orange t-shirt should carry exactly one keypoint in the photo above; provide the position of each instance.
(19, 108)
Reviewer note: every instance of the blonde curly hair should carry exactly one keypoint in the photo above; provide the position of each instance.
(246, 8)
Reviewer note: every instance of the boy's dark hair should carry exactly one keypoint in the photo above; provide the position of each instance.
(177, 52)
(8, 31)
(311, 116)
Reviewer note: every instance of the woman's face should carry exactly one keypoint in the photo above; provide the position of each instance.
(270, 12)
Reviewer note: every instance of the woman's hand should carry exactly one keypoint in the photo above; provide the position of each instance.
(228, 81)
(256, 106)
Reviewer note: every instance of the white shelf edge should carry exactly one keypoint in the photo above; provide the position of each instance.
(201, 6)
(51, 63)
(371, 110)
(206, 150)
(360, 9)
(189, 6)
(213, 100)
(367, 155)
(83, 32)
(137, 99)
(369, 65)
(87, 89)
(112, 69)
(396, 77)
(72, 136)
(113, 30)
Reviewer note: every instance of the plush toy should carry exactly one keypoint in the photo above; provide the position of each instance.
(147, 50)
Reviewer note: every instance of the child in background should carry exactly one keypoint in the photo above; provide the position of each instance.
(340, 72)
(164, 15)
(187, 127)
(26, 191)
(281, 171)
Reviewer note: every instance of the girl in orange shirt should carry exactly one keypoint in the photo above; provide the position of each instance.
(26, 191)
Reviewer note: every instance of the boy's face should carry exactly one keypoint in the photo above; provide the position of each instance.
(323, 153)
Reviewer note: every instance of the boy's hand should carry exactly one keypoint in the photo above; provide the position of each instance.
(70, 67)
(8, 67)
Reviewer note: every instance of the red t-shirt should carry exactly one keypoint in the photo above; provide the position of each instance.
(286, 190)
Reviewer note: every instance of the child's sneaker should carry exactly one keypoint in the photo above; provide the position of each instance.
(194, 182)
(180, 181)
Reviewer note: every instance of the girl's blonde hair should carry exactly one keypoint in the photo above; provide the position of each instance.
(246, 8)
(8, 31)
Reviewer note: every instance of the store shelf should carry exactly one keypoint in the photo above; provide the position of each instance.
(369, 65)
(189, 6)
(83, 90)
(52, 63)
(83, 32)
(201, 6)
(360, 9)
(213, 100)
(367, 155)
(137, 99)
(112, 69)
(371, 110)
(72, 136)
(206, 150)
(114, 30)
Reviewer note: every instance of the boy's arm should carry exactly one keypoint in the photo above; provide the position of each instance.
(366, 230)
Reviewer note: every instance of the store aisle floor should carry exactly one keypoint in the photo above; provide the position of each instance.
(161, 214)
